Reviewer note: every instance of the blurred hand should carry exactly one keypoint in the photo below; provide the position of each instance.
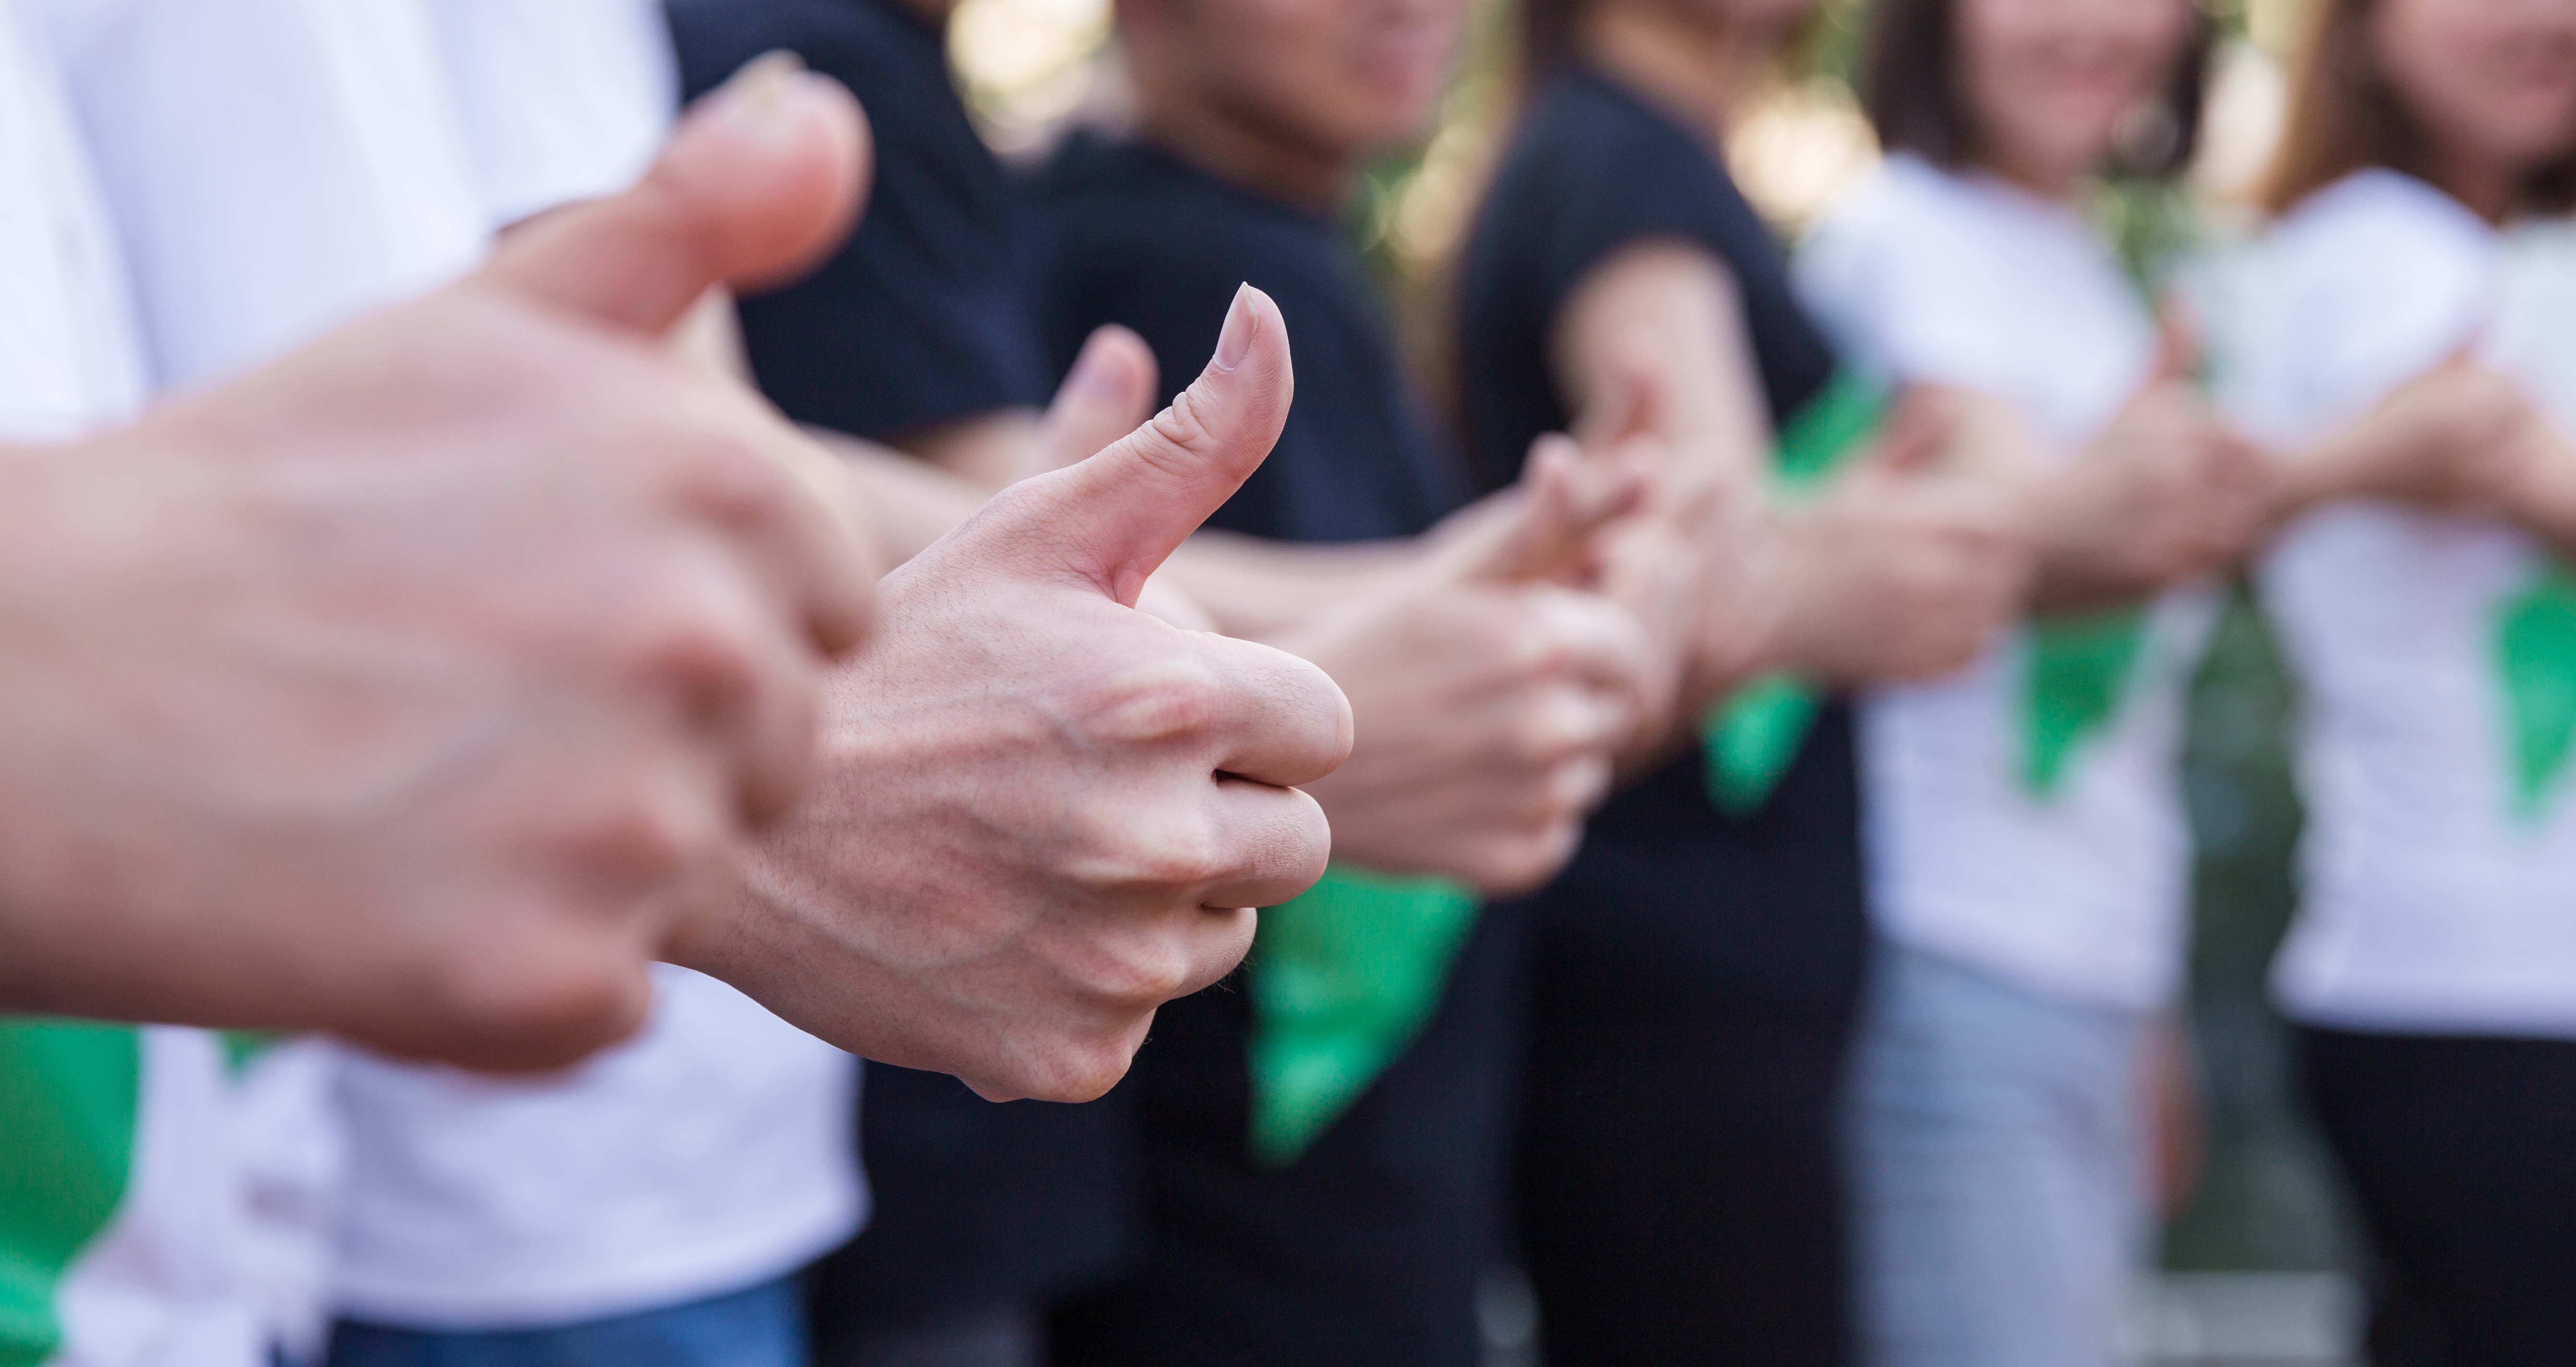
(2452, 440)
(1898, 572)
(403, 688)
(2166, 493)
(1491, 698)
(1042, 813)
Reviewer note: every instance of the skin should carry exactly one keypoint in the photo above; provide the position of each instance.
(433, 682)
(2167, 492)
(2491, 88)
(1494, 689)
(2050, 85)
(418, 678)
(1040, 812)
(1891, 573)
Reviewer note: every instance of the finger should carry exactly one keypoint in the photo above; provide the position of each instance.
(1278, 840)
(759, 178)
(1109, 391)
(1110, 520)
(742, 680)
(751, 481)
(1283, 721)
(1588, 637)
(1571, 498)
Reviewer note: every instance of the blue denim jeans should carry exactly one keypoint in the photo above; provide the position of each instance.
(1997, 1174)
(761, 1327)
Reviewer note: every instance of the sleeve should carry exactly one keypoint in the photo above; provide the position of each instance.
(925, 315)
(1635, 179)
(559, 100)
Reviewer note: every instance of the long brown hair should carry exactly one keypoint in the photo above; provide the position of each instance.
(2344, 116)
(1910, 88)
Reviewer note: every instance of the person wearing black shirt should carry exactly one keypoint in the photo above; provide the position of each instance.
(1699, 964)
(1362, 1241)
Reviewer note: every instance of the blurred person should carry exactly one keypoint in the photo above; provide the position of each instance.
(2415, 289)
(1321, 1148)
(2026, 846)
(1700, 963)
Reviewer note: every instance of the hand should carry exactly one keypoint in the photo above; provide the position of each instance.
(2448, 440)
(1041, 813)
(403, 688)
(1897, 573)
(2167, 492)
(1491, 698)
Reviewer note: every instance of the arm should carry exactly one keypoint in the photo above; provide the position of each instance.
(1651, 345)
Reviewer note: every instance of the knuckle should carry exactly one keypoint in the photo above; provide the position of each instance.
(649, 838)
(525, 1013)
(1178, 435)
(727, 473)
(1165, 700)
(1157, 858)
(711, 656)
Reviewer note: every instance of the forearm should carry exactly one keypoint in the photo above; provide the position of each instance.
(1257, 589)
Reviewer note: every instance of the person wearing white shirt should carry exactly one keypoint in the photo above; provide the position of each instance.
(2023, 830)
(2422, 253)
(709, 1157)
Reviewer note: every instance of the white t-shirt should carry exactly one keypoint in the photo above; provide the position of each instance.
(153, 1204)
(276, 166)
(713, 1153)
(2429, 902)
(2080, 891)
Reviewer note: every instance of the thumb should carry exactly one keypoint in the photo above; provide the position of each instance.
(1565, 500)
(759, 178)
(1112, 518)
(1109, 391)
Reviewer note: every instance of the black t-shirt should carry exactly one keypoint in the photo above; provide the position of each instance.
(1129, 234)
(922, 317)
(1365, 1250)
(1768, 906)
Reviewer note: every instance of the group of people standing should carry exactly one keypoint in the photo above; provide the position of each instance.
(1759, 872)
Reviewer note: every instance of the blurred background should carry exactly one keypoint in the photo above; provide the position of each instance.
(2257, 1267)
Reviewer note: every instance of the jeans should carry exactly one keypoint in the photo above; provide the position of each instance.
(1996, 1143)
(760, 1327)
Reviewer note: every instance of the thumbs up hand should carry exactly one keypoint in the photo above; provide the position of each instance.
(1491, 693)
(404, 688)
(1903, 570)
(1041, 813)
(2165, 493)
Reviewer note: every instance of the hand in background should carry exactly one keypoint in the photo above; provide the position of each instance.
(1899, 571)
(1492, 696)
(2166, 493)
